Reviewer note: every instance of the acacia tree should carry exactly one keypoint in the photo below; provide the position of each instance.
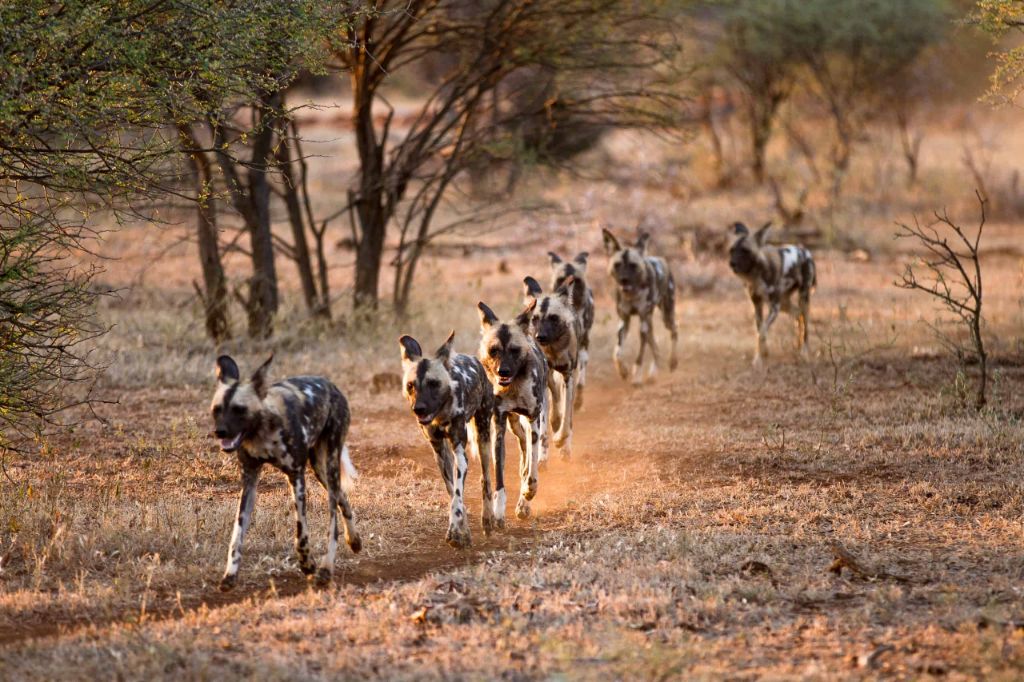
(755, 53)
(234, 124)
(599, 62)
(849, 50)
(94, 99)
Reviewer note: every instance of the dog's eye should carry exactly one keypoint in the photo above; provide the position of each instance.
(217, 409)
(434, 383)
(238, 410)
(494, 351)
(514, 350)
(410, 387)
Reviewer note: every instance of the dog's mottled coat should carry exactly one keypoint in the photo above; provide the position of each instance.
(452, 400)
(643, 284)
(518, 374)
(557, 329)
(773, 274)
(298, 421)
(582, 299)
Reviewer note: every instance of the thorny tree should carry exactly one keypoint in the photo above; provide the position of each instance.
(502, 66)
(951, 273)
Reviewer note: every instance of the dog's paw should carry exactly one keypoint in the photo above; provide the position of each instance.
(522, 509)
(355, 543)
(323, 577)
(228, 582)
(458, 536)
(307, 567)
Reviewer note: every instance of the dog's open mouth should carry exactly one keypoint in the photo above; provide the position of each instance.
(504, 381)
(427, 418)
(230, 444)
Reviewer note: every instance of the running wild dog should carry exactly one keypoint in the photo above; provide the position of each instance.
(773, 274)
(289, 424)
(557, 330)
(518, 374)
(643, 283)
(452, 400)
(582, 304)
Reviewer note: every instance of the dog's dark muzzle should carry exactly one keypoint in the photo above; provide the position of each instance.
(229, 443)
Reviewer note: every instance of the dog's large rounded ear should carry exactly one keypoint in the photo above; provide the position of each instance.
(259, 378)
(581, 260)
(641, 242)
(555, 258)
(531, 287)
(487, 316)
(611, 244)
(444, 353)
(740, 230)
(762, 233)
(523, 318)
(411, 351)
(227, 370)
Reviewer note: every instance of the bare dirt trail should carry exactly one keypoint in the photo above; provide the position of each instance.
(592, 471)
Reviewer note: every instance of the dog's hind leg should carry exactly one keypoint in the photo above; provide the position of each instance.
(668, 317)
(246, 502)
(804, 312)
(761, 350)
(581, 378)
(329, 474)
(480, 434)
(297, 480)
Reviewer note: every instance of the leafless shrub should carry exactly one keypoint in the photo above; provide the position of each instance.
(951, 273)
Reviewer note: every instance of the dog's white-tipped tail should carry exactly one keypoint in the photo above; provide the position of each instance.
(348, 470)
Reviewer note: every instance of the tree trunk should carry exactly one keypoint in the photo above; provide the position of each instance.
(291, 199)
(263, 294)
(369, 201)
(215, 291)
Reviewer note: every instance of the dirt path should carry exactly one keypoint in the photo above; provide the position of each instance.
(561, 485)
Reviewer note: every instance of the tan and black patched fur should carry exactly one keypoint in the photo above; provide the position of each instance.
(557, 329)
(298, 422)
(518, 374)
(643, 284)
(452, 400)
(772, 275)
(582, 298)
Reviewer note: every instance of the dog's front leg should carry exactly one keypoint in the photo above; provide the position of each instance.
(805, 309)
(519, 425)
(498, 448)
(646, 341)
(297, 480)
(482, 433)
(246, 502)
(458, 524)
(563, 437)
(620, 340)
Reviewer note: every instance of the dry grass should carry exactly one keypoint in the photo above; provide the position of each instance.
(690, 537)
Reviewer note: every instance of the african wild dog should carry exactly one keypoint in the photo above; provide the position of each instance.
(582, 303)
(557, 330)
(773, 274)
(518, 374)
(643, 283)
(292, 423)
(452, 400)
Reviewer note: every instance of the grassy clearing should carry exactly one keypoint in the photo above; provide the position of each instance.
(691, 536)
